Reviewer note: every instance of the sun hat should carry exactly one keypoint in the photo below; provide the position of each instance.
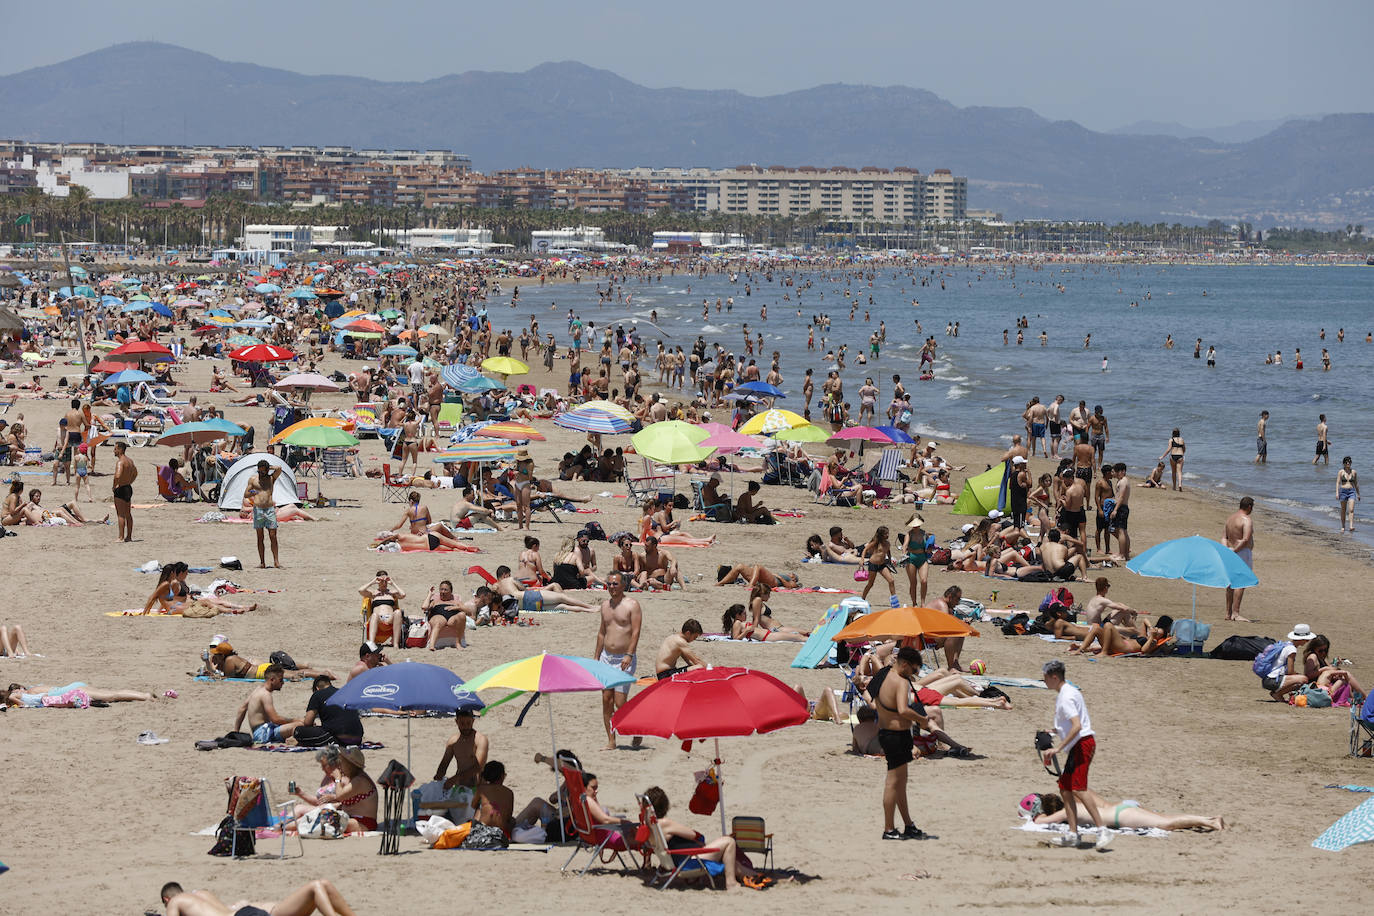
(1301, 631)
(916, 522)
(995, 514)
(354, 755)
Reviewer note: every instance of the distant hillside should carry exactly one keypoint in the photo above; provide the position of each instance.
(1239, 132)
(568, 114)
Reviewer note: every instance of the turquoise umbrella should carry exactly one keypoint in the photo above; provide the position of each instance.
(1195, 559)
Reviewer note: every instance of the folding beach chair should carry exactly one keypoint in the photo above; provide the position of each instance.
(599, 838)
(250, 808)
(1362, 728)
(887, 469)
(450, 416)
(549, 504)
(752, 836)
(713, 511)
(668, 869)
(392, 490)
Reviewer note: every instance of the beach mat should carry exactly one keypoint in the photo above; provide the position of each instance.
(442, 548)
(297, 749)
(1354, 828)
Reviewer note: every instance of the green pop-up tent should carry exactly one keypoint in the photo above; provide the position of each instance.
(980, 493)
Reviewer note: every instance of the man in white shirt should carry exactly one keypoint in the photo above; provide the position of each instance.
(1075, 731)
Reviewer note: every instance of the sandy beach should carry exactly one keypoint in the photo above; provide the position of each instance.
(95, 823)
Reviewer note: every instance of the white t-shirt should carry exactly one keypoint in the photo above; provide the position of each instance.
(1280, 668)
(1068, 705)
(417, 374)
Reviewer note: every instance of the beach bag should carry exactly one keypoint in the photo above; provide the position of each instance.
(968, 610)
(224, 840)
(680, 501)
(1240, 648)
(594, 531)
(485, 836)
(1018, 625)
(433, 827)
(1266, 660)
(860, 575)
(707, 794)
(1190, 632)
(323, 823)
(1317, 697)
(281, 658)
(1057, 597)
(313, 736)
(940, 556)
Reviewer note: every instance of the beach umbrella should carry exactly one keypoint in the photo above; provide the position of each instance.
(481, 450)
(480, 383)
(105, 365)
(407, 687)
(852, 436)
(588, 420)
(189, 304)
(337, 422)
(904, 623)
(712, 703)
(896, 435)
(549, 673)
(672, 442)
(261, 353)
(306, 381)
(771, 421)
(160, 309)
(725, 440)
(301, 292)
(761, 388)
(1197, 560)
(505, 365)
(140, 305)
(364, 326)
(454, 376)
(610, 407)
(516, 432)
(400, 350)
(267, 288)
(801, 434)
(241, 340)
(389, 314)
(318, 437)
(433, 329)
(127, 377)
(136, 351)
(197, 433)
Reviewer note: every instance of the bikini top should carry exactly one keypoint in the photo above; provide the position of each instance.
(357, 799)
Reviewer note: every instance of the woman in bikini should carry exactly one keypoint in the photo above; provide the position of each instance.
(877, 555)
(354, 792)
(416, 515)
(1049, 809)
(410, 441)
(328, 759)
(173, 596)
(916, 561)
(1115, 640)
(1174, 452)
(1321, 672)
(384, 607)
(629, 563)
(530, 566)
(66, 514)
(1347, 491)
(816, 546)
(735, 622)
(445, 614)
(17, 510)
(661, 525)
(34, 695)
(752, 573)
(522, 481)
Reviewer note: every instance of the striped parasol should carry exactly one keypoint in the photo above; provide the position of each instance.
(454, 376)
(516, 432)
(590, 420)
(477, 450)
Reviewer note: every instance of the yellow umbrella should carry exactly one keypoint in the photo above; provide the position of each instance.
(609, 407)
(771, 421)
(336, 422)
(505, 365)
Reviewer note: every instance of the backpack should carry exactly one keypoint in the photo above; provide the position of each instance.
(1266, 660)
(940, 556)
(1240, 648)
(1017, 625)
(680, 501)
(1061, 597)
(286, 661)
(594, 531)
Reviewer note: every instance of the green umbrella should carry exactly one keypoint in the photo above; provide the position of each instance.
(320, 437)
(802, 434)
(242, 340)
(672, 442)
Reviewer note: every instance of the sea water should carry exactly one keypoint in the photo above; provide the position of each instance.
(981, 386)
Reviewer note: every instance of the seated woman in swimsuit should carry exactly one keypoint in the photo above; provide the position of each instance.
(735, 623)
(328, 759)
(77, 693)
(762, 615)
(530, 569)
(1114, 640)
(723, 849)
(1321, 672)
(446, 614)
(354, 792)
(629, 563)
(659, 522)
(550, 597)
(285, 513)
(65, 514)
(173, 595)
(384, 607)
(752, 573)
(816, 546)
(1049, 809)
(415, 515)
(13, 644)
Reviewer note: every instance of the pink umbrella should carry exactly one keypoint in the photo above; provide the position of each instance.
(724, 439)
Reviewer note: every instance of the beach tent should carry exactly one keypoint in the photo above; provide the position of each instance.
(980, 493)
(237, 477)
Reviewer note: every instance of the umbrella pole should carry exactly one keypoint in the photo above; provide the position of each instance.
(553, 748)
(720, 786)
(1193, 647)
(413, 813)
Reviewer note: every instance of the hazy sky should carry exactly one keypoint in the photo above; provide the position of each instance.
(1104, 64)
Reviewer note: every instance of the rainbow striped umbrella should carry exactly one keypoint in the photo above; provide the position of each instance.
(516, 432)
(590, 420)
(477, 450)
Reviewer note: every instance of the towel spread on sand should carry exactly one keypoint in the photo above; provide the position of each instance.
(295, 749)
(1032, 827)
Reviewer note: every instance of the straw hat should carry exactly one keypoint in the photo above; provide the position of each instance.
(523, 455)
(353, 755)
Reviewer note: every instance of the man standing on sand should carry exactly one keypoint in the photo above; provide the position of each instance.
(1037, 417)
(1323, 446)
(1073, 517)
(1075, 733)
(1261, 443)
(617, 641)
(1083, 464)
(895, 719)
(1121, 511)
(1239, 535)
(261, 490)
(124, 476)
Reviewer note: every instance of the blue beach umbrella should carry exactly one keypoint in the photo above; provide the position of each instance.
(896, 435)
(128, 377)
(454, 376)
(480, 383)
(301, 292)
(1195, 559)
(399, 350)
(141, 305)
(267, 288)
(763, 388)
(161, 309)
(590, 420)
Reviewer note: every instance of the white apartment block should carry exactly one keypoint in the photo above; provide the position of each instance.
(419, 239)
(884, 195)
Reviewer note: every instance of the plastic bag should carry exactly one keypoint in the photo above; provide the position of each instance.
(324, 823)
(433, 827)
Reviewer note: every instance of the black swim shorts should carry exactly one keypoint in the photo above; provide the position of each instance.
(124, 492)
(897, 746)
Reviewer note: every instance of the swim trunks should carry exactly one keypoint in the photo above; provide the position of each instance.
(532, 600)
(1346, 493)
(124, 493)
(1037, 430)
(1075, 775)
(267, 733)
(264, 517)
(251, 911)
(1084, 474)
(664, 675)
(616, 661)
(1246, 554)
(1261, 446)
(1056, 427)
(1122, 516)
(897, 746)
(1071, 520)
(1321, 448)
(1098, 442)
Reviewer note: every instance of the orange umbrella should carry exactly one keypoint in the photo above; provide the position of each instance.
(337, 422)
(901, 622)
(513, 431)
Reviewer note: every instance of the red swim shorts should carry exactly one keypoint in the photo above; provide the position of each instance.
(1075, 775)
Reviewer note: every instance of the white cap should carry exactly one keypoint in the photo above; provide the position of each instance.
(1017, 459)
(967, 528)
(995, 513)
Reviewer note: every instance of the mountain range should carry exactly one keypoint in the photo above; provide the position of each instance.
(568, 114)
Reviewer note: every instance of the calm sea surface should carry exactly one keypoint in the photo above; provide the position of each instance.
(982, 386)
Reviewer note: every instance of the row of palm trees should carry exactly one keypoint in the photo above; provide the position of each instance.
(219, 222)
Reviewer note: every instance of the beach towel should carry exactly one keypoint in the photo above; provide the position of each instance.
(817, 647)
(442, 548)
(138, 612)
(235, 520)
(1351, 788)
(814, 590)
(1354, 828)
(982, 681)
(1031, 826)
(294, 749)
(721, 637)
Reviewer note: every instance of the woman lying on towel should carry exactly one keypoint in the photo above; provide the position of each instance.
(173, 596)
(1049, 809)
(827, 552)
(76, 695)
(735, 621)
(751, 573)
(436, 537)
(286, 513)
(1114, 640)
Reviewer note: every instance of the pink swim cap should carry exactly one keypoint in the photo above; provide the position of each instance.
(1027, 802)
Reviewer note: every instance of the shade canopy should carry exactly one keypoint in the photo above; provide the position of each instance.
(407, 686)
(902, 623)
(711, 703)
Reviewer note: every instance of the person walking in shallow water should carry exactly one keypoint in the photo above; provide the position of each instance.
(1347, 491)
(1261, 443)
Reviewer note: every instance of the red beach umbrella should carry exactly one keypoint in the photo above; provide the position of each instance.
(139, 350)
(261, 353)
